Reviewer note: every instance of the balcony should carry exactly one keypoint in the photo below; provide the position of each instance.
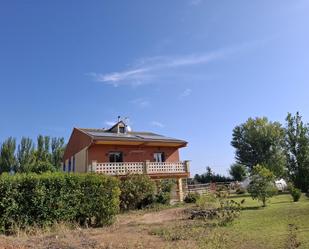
(153, 169)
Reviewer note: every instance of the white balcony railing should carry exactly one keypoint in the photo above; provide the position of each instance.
(139, 168)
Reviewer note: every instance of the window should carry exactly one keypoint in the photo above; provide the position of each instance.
(64, 166)
(115, 157)
(159, 157)
(122, 129)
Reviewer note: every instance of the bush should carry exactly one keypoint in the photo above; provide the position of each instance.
(296, 194)
(164, 189)
(192, 197)
(42, 200)
(137, 191)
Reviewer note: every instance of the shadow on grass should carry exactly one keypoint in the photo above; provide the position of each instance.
(252, 208)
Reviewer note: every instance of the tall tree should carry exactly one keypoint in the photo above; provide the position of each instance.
(57, 148)
(43, 146)
(297, 150)
(25, 154)
(7, 155)
(238, 171)
(259, 141)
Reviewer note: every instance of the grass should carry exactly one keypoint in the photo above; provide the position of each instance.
(282, 224)
(269, 227)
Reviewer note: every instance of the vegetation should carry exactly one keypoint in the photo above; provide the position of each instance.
(210, 176)
(42, 200)
(26, 157)
(297, 151)
(262, 184)
(259, 141)
(137, 191)
(296, 194)
(163, 192)
(192, 197)
(238, 172)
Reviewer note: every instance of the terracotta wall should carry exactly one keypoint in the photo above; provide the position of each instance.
(77, 142)
(99, 153)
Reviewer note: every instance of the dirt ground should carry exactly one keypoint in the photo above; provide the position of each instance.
(132, 230)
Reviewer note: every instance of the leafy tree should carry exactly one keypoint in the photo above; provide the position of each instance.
(8, 160)
(297, 151)
(238, 172)
(25, 154)
(259, 141)
(57, 151)
(262, 185)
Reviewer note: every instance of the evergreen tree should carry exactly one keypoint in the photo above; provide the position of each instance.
(8, 160)
(25, 154)
(297, 151)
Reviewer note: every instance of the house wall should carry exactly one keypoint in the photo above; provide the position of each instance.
(77, 142)
(99, 153)
(80, 161)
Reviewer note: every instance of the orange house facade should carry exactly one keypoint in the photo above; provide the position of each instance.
(118, 152)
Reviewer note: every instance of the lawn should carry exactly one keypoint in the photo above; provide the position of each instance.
(269, 227)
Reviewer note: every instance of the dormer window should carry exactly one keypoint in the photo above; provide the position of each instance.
(122, 129)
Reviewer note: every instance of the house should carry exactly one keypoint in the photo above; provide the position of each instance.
(118, 151)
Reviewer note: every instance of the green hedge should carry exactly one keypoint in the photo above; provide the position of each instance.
(42, 200)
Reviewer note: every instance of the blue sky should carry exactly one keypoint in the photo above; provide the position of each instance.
(192, 69)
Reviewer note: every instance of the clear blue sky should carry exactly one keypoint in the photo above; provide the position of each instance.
(192, 69)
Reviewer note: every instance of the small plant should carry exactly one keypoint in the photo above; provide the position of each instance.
(296, 194)
(192, 197)
(262, 184)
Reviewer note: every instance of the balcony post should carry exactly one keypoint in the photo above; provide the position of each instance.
(93, 166)
(187, 166)
(146, 166)
(180, 190)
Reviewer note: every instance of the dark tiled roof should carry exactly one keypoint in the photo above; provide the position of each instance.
(103, 134)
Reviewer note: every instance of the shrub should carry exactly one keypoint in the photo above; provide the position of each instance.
(262, 184)
(296, 194)
(137, 191)
(192, 197)
(42, 200)
(164, 189)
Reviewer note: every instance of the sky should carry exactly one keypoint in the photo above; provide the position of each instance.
(190, 69)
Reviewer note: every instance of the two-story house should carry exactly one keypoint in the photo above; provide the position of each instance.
(118, 151)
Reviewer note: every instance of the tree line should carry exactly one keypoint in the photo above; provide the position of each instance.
(45, 155)
(282, 149)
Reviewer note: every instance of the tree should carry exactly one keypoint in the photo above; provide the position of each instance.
(238, 172)
(42, 152)
(57, 148)
(262, 186)
(210, 176)
(297, 151)
(259, 141)
(8, 160)
(25, 155)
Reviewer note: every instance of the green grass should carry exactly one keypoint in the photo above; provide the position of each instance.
(256, 228)
(269, 227)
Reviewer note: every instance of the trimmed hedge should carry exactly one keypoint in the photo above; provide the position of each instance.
(42, 200)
